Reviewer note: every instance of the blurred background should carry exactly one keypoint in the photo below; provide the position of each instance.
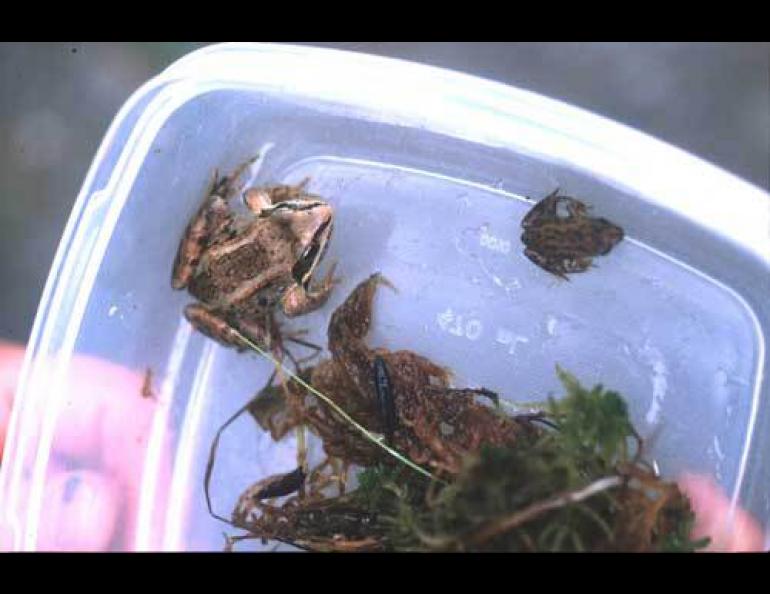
(58, 99)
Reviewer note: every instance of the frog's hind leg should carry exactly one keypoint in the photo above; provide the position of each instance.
(213, 220)
(211, 223)
(230, 331)
(213, 324)
(352, 319)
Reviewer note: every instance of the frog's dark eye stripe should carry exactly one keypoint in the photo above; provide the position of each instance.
(386, 406)
(307, 260)
(293, 205)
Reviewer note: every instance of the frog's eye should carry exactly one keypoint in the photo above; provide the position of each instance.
(306, 262)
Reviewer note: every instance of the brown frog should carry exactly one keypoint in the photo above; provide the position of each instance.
(564, 244)
(432, 424)
(242, 268)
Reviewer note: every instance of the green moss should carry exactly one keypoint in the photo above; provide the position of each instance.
(574, 488)
(576, 484)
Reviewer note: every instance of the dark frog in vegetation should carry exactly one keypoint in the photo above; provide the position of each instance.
(563, 243)
(401, 395)
(579, 484)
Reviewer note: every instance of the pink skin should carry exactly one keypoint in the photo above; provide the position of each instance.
(91, 496)
(712, 510)
(92, 509)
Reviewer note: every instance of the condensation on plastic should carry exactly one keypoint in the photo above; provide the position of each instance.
(428, 171)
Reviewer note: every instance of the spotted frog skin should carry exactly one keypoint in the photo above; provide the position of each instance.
(563, 244)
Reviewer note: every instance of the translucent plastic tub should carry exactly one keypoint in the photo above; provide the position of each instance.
(428, 171)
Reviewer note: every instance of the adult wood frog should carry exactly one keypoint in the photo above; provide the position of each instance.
(243, 267)
(562, 244)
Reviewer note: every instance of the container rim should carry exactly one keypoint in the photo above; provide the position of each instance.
(387, 90)
(610, 149)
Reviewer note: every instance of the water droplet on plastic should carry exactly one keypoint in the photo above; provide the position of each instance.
(550, 325)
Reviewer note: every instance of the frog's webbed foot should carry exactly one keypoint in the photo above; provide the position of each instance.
(351, 320)
(272, 413)
(228, 186)
(298, 300)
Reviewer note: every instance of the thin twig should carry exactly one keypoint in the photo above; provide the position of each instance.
(213, 453)
(498, 527)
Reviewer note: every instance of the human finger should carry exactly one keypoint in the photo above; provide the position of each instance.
(712, 517)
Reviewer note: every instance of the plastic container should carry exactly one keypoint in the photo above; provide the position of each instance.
(427, 170)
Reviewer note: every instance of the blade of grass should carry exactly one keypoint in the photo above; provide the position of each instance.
(360, 428)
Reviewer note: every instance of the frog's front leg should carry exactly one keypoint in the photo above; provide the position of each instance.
(578, 265)
(298, 300)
